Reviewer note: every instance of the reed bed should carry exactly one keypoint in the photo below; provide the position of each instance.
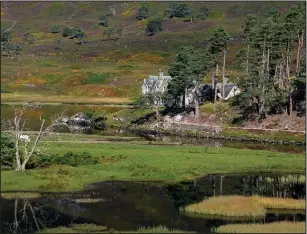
(78, 228)
(241, 207)
(227, 206)
(20, 195)
(281, 203)
(159, 229)
(275, 227)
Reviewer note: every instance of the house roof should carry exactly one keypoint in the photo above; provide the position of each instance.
(228, 88)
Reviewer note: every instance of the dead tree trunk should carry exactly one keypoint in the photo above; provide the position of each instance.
(298, 54)
(223, 82)
(196, 97)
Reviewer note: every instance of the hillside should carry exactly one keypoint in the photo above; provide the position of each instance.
(108, 68)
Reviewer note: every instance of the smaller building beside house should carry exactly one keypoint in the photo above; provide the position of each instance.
(231, 90)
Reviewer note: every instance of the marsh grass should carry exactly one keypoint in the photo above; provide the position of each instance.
(77, 228)
(92, 228)
(20, 195)
(159, 229)
(240, 207)
(275, 227)
(227, 206)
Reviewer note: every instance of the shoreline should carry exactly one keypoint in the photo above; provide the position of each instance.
(217, 132)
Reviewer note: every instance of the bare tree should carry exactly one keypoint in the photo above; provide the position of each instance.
(22, 141)
(112, 9)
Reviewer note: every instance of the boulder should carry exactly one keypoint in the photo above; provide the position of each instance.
(80, 122)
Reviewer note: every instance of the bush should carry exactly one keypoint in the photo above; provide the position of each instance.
(69, 158)
(55, 29)
(66, 32)
(7, 151)
(154, 26)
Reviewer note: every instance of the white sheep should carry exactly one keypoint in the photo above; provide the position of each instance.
(25, 138)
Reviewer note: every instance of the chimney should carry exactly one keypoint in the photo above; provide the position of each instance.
(161, 74)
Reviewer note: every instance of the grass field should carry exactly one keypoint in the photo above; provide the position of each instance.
(123, 161)
(242, 207)
(275, 227)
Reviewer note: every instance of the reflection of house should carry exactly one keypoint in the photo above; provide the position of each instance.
(159, 84)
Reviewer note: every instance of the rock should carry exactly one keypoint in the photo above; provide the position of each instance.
(80, 122)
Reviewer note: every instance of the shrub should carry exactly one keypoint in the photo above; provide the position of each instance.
(104, 21)
(69, 158)
(154, 26)
(7, 151)
(66, 32)
(94, 114)
(5, 91)
(55, 29)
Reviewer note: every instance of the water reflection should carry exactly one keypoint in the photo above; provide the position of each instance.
(126, 206)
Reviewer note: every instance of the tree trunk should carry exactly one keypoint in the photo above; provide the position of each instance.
(157, 114)
(196, 108)
(247, 55)
(223, 82)
(298, 58)
(290, 104)
(287, 62)
(18, 162)
(268, 61)
(183, 99)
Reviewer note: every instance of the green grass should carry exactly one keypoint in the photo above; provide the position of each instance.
(123, 161)
(241, 207)
(275, 227)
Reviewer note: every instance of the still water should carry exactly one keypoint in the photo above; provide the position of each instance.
(127, 206)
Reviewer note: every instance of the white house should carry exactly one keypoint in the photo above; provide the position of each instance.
(159, 84)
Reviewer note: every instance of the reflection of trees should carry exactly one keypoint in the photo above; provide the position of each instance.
(29, 217)
(185, 193)
(272, 185)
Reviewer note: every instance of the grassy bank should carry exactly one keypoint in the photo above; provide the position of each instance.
(276, 227)
(124, 161)
(241, 207)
